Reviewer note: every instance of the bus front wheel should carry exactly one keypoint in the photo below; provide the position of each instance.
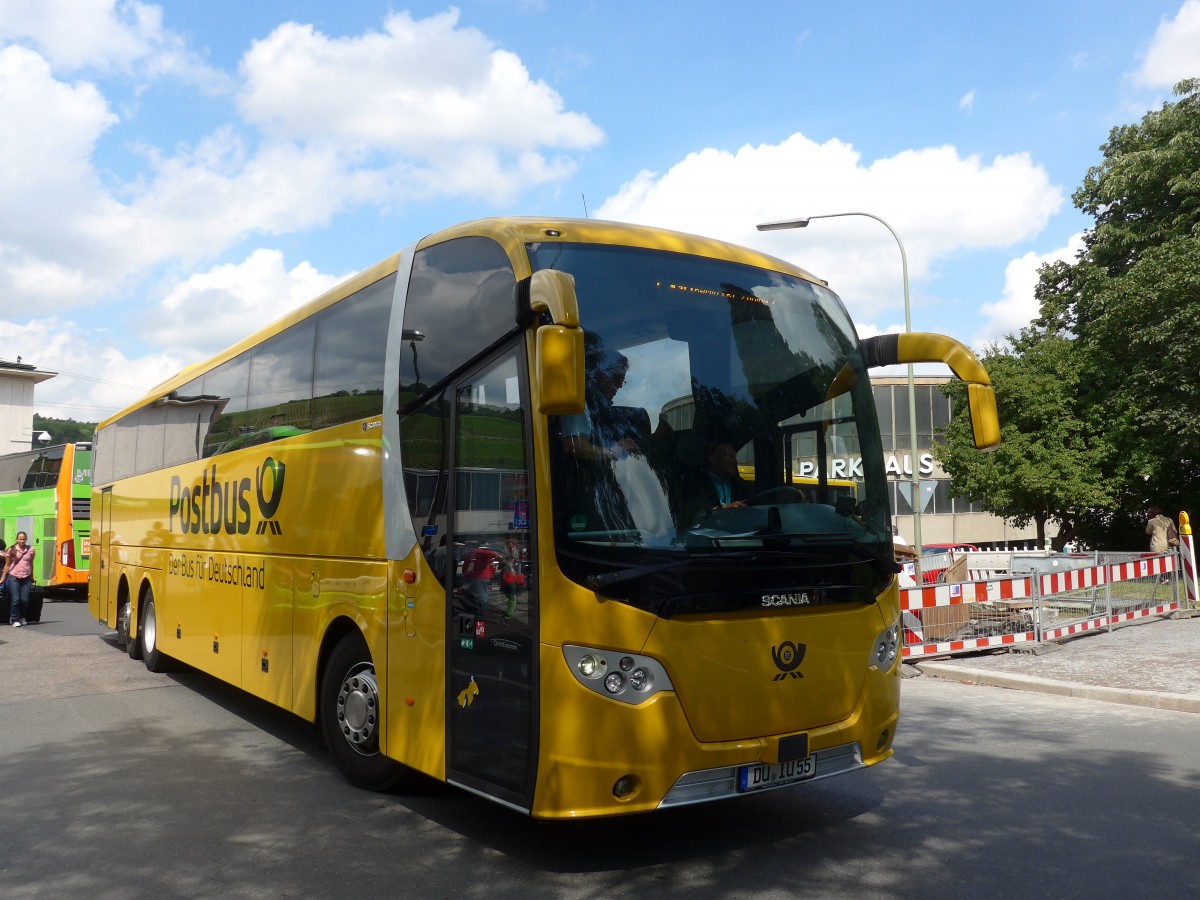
(350, 717)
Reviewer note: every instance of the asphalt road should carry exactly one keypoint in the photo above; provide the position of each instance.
(116, 783)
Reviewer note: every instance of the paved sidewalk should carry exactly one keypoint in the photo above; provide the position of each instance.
(1153, 663)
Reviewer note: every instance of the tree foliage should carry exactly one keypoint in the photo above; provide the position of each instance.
(64, 431)
(1049, 465)
(1130, 309)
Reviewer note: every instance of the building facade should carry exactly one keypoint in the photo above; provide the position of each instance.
(17, 381)
(944, 519)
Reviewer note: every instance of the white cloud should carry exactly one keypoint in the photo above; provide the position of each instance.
(441, 96)
(104, 35)
(1017, 307)
(232, 301)
(96, 379)
(938, 202)
(968, 101)
(422, 110)
(1174, 51)
(52, 198)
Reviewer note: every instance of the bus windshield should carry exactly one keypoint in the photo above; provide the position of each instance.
(713, 428)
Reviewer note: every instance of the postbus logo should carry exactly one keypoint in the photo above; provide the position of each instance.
(211, 505)
(788, 657)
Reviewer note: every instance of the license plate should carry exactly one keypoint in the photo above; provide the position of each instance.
(769, 775)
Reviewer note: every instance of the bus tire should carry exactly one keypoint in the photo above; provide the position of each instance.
(147, 637)
(133, 642)
(123, 628)
(350, 717)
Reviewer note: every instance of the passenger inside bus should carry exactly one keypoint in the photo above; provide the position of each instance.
(720, 486)
(604, 431)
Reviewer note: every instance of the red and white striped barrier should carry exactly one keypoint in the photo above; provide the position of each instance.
(967, 592)
(1093, 624)
(913, 600)
(998, 592)
(1142, 568)
(1073, 580)
(942, 648)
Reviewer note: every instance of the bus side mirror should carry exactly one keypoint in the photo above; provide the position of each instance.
(559, 359)
(985, 420)
(918, 347)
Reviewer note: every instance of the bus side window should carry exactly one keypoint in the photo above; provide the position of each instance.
(281, 374)
(351, 343)
(462, 299)
(424, 443)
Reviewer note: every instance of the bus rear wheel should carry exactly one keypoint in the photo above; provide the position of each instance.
(147, 637)
(351, 720)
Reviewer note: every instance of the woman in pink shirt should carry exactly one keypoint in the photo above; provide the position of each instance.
(18, 574)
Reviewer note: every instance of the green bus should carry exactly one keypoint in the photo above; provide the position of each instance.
(47, 493)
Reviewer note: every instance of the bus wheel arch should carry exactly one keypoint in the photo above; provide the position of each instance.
(348, 710)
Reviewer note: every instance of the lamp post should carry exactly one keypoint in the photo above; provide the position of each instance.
(914, 462)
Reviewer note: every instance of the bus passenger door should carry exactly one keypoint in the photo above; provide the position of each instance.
(491, 671)
(100, 604)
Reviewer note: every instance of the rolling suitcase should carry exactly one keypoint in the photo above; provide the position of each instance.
(34, 612)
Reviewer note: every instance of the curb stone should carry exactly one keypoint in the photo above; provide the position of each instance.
(1151, 699)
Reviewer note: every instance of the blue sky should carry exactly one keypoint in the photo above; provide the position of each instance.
(175, 175)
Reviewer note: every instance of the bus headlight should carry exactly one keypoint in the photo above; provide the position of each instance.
(886, 649)
(591, 665)
(641, 680)
(627, 677)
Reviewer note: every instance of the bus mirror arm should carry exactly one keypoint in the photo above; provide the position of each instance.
(919, 347)
(553, 292)
(559, 346)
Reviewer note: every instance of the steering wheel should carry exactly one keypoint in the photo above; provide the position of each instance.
(785, 493)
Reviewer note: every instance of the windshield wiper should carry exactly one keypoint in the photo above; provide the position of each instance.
(843, 540)
(867, 552)
(607, 579)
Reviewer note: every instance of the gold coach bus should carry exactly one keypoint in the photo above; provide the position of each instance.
(440, 511)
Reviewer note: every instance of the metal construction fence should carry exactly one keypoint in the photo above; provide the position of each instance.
(1031, 597)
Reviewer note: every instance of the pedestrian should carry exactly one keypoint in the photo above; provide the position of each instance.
(477, 570)
(511, 576)
(1163, 536)
(4, 602)
(602, 432)
(18, 576)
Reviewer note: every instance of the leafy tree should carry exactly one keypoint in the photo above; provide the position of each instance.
(64, 431)
(1130, 306)
(1050, 462)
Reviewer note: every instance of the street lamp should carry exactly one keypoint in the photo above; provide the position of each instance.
(912, 390)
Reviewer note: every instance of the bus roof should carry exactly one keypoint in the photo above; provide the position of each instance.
(512, 233)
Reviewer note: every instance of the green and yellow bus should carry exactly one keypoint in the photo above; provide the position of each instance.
(375, 513)
(47, 493)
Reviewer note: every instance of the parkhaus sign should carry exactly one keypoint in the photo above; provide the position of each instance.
(851, 466)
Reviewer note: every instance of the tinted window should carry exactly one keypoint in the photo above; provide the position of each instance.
(424, 442)
(461, 299)
(281, 373)
(226, 384)
(351, 343)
